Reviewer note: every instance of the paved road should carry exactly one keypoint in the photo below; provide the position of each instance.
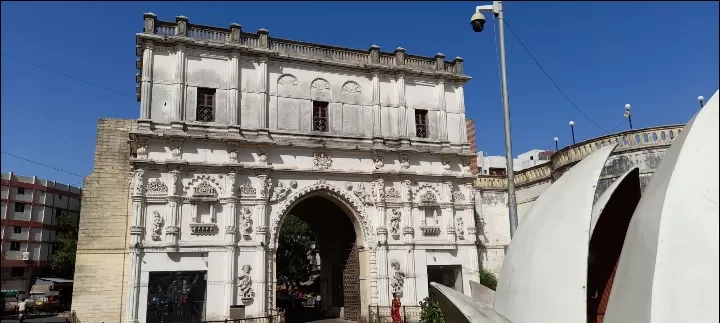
(34, 319)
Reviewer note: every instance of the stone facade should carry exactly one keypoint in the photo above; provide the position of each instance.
(212, 182)
(643, 148)
(103, 235)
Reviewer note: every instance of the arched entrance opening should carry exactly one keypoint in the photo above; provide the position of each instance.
(334, 222)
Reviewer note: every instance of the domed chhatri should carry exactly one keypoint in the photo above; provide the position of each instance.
(570, 258)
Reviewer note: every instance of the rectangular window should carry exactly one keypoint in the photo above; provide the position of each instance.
(205, 111)
(21, 191)
(421, 123)
(320, 116)
(14, 246)
(19, 207)
(17, 229)
(17, 272)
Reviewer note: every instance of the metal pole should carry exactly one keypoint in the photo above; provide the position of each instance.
(512, 202)
(630, 120)
(556, 146)
(572, 130)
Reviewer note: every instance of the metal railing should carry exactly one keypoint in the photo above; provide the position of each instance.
(382, 314)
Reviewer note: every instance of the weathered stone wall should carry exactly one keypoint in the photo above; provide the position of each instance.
(100, 270)
(470, 128)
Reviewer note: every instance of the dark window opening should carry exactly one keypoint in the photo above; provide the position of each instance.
(421, 123)
(497, 171)
(14, 246)
(17, 229)
(205, 111)
(531, 158)
(16, 272)
(19, 207)
(320, 116)
(21, 191)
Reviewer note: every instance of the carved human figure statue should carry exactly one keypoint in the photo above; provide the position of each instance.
(398, 279)
(245, 282)
(158, 222)
(394, 221)
(246, 221)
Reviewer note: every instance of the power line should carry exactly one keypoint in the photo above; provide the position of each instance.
(41, 164)
(68, 76)
(550, 78)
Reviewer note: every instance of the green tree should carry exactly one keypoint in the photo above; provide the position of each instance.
(430, 311)
(488, 279)
(65, 247)
(295, 242)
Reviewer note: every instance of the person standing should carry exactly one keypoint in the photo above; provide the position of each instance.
(395, 310)
(21, 310)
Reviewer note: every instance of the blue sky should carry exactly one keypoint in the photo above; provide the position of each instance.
(657, 56)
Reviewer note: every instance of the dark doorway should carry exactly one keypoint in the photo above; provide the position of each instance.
(176, 297)
(337, 280)
(450, 276)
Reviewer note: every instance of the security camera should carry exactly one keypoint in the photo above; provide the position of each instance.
(478, 22)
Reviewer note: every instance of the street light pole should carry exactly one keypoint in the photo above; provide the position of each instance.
(701, 99)
(497, 9)
(628, 114)
(572, 130)
(556, 146)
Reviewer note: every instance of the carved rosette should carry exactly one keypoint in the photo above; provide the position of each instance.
(322, 160)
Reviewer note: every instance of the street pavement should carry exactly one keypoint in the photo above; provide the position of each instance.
(35, 319)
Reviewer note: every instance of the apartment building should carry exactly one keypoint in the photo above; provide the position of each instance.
(496, 165)
(31, 209)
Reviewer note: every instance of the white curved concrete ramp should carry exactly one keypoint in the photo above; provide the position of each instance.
(544, 274)
(482, 294)
(668, 269)
(459, 308)
(603, 200)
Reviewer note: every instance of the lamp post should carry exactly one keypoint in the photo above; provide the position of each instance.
(701, 99)
(628, 114)
(556, 146)
(572, 130)
(478, 23)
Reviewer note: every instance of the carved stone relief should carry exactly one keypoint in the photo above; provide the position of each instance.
(362, 193)
(138, 181)
(176, 148)
(320, 90)
(156, 186)
(458, 197)
(460, 228)
(203, 185)
(378, 161)
(247, 189)
(397, 281)
(245, 289)
(404, 161)
(395, 223)
(322, 160)
(428, 197)
(281, 191)
(265, 185)
(246, 222)
(392, 193)
(288, 85)
(158, 223)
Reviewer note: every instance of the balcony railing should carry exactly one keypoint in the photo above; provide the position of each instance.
(661, 136)
(234, 34)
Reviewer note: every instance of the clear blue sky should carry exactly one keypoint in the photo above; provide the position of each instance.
(657, 56)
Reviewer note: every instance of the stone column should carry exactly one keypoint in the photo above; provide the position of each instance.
(230, 207)
(382, 250)
(377, 114)
(234, 93)
(470, 213)
(174, 200)
(179, 87)
(448, 210)
(460, 95)
(408, 232)
(146, 80)
(263, 106)
(262, 233)
(442, 113)
(402, 106)
(136, 232)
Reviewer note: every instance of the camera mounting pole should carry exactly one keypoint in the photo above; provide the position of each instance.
(497, 9)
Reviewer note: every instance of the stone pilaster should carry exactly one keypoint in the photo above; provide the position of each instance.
(172, 230)
(230, 207)
(136, 232)
(262, 234)
(234, 92)
(460, 95)
(448, 210)
(382, 249)
(442, 113)
(383, 286)
(470, 214)
(377, 114)
(179, 87)
(406, 212)
(402, 106)
(263, 106)
(410, 288)
(146, 80)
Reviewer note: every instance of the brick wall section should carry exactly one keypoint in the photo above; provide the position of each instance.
(470, 127)
(103, 237)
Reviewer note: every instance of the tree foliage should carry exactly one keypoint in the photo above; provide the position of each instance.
(65, 247)
(430, 311)
(488, 279)
(295, 242)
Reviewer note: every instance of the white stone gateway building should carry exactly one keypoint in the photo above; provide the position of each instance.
(236, 131)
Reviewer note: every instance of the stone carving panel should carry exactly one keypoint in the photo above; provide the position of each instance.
(458, 197)
(397, 281)
(158, 223)
(392, 193)
(245, 282)
(203, 185)
(288, 86)
(281, 191)
(322, 160)
(156, 186)
(460, 228)
(395, 223)
(247, 189)
(246, 222)
(138, 181)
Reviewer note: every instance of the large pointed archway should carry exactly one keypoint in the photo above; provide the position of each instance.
(340, 226)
